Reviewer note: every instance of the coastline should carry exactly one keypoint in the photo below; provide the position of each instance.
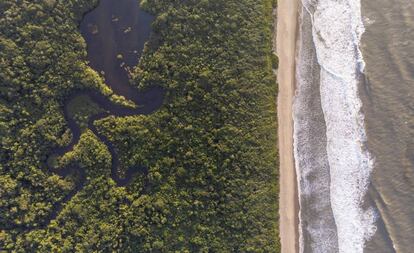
(288, 197)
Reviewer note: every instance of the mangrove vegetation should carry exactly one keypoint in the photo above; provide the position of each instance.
(188, 163)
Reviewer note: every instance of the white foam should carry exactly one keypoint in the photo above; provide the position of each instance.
(337, 31)
(317, 229)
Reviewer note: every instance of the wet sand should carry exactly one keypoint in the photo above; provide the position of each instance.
(288, 198)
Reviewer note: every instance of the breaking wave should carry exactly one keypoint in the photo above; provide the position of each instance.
(336, 28)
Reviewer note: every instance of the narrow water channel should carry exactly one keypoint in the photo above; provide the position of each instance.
(115, 33)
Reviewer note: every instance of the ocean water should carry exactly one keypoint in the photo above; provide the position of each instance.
(388, 104)
(318, 232)
(333, 159)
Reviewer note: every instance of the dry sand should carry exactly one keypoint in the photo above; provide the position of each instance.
(286, 43)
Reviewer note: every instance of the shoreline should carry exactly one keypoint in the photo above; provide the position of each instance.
(288, 197)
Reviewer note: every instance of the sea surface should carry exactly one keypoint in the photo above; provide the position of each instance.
(354, 125)
(388, 103)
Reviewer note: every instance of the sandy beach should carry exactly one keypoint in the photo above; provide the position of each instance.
(286, 43)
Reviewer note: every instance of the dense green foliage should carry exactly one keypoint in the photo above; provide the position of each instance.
(210, 150)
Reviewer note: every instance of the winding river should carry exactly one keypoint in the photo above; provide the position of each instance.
(115, 33)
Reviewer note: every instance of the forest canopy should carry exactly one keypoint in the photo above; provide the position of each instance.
(210, 150)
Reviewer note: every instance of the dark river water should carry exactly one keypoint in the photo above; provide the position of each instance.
(115, 32)
(388, 99)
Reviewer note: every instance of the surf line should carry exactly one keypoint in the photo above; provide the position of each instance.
(336, 30)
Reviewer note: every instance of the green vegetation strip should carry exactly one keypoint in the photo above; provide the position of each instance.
(210, 150)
